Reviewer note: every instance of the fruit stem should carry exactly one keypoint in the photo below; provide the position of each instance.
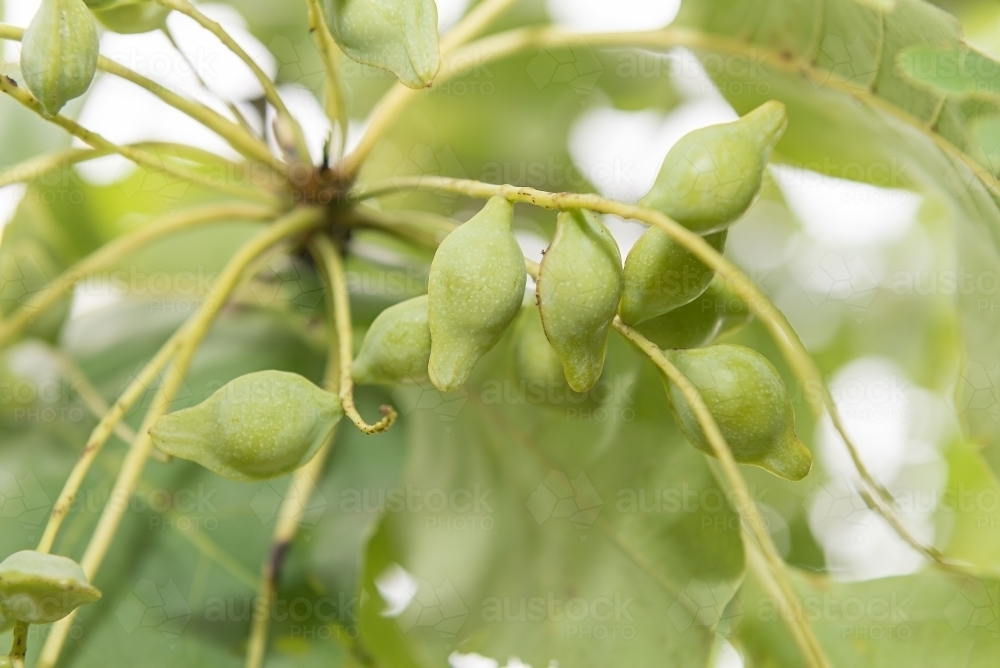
(151, 161)
(787, 340)
(270, 92)
(111, 253)
(335, 103)
(19, 644)
(238, 138)
(328, 258)
(186, 340)
(797, 623)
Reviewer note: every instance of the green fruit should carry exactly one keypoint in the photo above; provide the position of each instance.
(579, 287)
(39, 588)
(59, 53)
(661, 275)
(397, 347)
(697, 324)
(475, 290)
(748, 400)
(711, 176)
(259, 426)
(398, 35)
(133, 17)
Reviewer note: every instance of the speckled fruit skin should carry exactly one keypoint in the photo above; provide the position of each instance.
(59, 53)
(578, 291)
(661, 275)
(40, 588)
(397, 347)
(711, 176)
(748, 400)
(695, 325)
(259, 426)
(475, 289)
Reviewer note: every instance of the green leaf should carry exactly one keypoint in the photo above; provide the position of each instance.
(960, 72)
(398, 35)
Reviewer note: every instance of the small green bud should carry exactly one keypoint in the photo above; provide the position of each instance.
(39, 588)
(475, 289)
(59, 53)
(711, 176)
(716, 313)
(661, 275)
(748, 400)
(130, 18)
(259, 426)
(579, 287)
(397, 347)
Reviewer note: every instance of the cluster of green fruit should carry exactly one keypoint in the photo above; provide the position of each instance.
(708, 181)
(475, 292)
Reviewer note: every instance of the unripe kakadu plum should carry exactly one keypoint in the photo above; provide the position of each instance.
(711, 176)
(748, 401)
(130, 16)
(661, 275)
(397, 347)
(716, 313)
(578, 291)
(59, 53)
(475, 289)
(256, 427)
(39, 588)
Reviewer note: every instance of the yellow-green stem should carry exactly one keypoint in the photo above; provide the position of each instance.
(802, 632)
(190, 336)
(270, 92)
(293, 507)
(328, 257)
(150, 161)
(19, 644)
(109, 254)
(238, 138)
(335, 102)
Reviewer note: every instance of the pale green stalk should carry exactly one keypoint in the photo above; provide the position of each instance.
(190, 336)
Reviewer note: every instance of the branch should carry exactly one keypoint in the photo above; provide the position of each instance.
(804, 637)
(187, 340)
(111, 253)
(270, 92)
(142, 158)
(332, 266)
(242, 141)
